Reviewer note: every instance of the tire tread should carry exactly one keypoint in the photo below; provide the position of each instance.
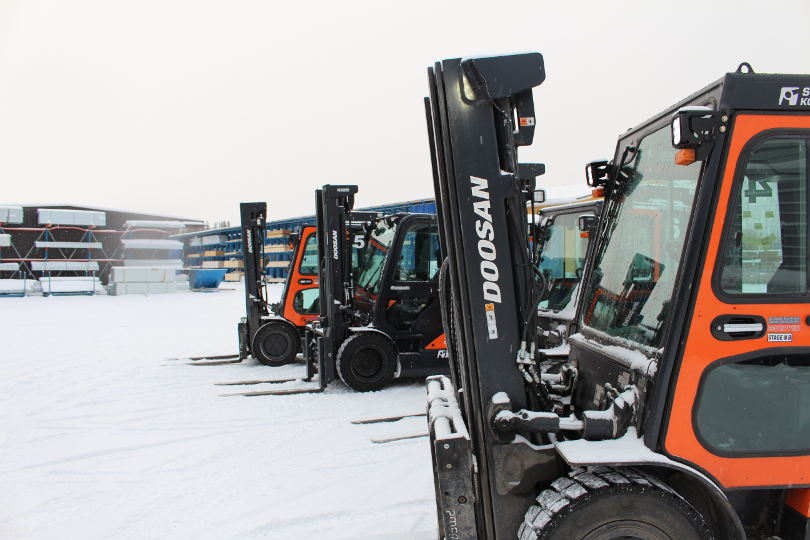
(569, 493)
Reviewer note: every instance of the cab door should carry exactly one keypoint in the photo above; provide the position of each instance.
(302, 299)
(740, 409)
(410, 297)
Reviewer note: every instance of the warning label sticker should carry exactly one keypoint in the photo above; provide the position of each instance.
(492, 324)
(784, 320)
(780, 337)
(527, 121)
(784, 324)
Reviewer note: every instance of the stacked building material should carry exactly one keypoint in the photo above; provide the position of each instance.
(61, 285)
(149, 276)
(70, 284)
(143, 280)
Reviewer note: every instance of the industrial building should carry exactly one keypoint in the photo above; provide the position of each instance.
(72, 240)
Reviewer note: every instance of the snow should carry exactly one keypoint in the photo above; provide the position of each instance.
(9, 286)
(559, 350)
(444, 414)
(143, 243)
(629, 450)
(159, 224)
(633, 359)
(626, 450)
(104, 436)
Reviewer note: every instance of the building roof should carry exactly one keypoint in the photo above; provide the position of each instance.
(101, 209)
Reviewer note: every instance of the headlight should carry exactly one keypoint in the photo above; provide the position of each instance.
(676, 131)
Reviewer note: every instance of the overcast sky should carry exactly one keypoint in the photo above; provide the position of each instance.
(188, 108)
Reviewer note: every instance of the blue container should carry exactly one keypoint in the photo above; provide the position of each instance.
(208, 278)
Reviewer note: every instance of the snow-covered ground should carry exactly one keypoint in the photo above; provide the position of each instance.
(103, 436)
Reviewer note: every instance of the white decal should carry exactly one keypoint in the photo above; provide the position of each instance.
(334, 245)
(790, 94)
(780, 337)
(486, 249)
(249, 241)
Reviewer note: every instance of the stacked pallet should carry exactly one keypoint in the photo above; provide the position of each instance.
(149, 276)
(68, 285)
(145, 280)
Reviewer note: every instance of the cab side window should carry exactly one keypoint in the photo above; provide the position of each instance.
(309, 260)
(307, 301)
(766, 245)
(419, 258)
(760, 405)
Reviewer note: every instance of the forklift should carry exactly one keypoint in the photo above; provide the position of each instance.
(682, 410)
(273, 333)
(382, 319)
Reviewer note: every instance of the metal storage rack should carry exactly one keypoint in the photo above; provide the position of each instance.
(277, 261)
(11, 214)
(68, 219)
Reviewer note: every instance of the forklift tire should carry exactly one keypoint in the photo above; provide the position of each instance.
(276, 344)
(367, 362)
(605, 503)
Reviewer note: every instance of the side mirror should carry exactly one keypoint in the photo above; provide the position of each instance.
(597, 173)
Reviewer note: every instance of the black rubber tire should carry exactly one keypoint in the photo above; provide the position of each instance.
(275, 344)
(605, 503)
(367, 361)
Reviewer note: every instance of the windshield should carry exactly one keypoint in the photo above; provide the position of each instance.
(635, 268)
(372, 258)
(562, 260)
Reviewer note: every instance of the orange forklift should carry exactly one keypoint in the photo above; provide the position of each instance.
(272, 333)
(683, 409)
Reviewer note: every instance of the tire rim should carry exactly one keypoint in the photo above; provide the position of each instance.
(368, 363)
(276, 345)
(627, 530)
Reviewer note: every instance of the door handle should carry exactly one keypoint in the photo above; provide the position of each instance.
(752, 327)
(737, 327)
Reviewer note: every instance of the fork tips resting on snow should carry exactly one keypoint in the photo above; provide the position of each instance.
(413, 434)
(392, 417)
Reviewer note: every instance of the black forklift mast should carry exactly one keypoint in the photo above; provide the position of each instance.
(254, 223)
(480, 110)
(334, 213)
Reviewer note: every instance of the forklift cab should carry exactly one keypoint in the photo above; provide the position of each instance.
(682, 409)
(383, 318)
(397, 289)
(562, 252)
(410, 273)
(301, 297)
(701, 276)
